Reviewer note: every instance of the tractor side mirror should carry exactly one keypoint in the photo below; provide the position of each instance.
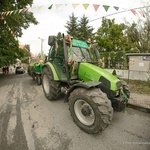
(51, 40)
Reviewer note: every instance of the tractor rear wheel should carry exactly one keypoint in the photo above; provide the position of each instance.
(33, 76)
(51, 88)
(38, 79)
(91, 109)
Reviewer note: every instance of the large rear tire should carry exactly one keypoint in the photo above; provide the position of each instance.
(51, 88)
(91, 109)
(38, 79)
(33, 76)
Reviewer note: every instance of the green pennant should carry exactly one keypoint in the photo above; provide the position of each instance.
(50, 7)
(106, 7)
(15, 12)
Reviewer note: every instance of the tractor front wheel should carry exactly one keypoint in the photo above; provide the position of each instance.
(51, 88)
(91, 109)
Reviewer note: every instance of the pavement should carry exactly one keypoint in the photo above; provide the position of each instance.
(139, 101)
(136, 101)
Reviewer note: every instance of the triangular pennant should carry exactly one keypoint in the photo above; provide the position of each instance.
(2, 17)
(20, 10)
(7, 26)
(25, 9)
(58, 5)
(31, 8)
(10, 12)
(15, 12)
(96, 6)
(142, 14)
(85, 6)
(117, 8)
(7, 13)
(39, 7)
(106, 7)
(50, 7)
(133, 11)
(74, 5)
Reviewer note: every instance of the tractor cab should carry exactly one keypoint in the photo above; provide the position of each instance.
(67, 53)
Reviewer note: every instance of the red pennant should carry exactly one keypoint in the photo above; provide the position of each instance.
(133, 11)
(96, 6)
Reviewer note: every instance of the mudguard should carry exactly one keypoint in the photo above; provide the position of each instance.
(50, 66)
(81, 84)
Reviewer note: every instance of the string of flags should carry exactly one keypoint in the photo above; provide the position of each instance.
(96, 7)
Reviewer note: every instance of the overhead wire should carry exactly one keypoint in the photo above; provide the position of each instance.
(118, 13)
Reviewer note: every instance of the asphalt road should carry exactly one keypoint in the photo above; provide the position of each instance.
(28, 121)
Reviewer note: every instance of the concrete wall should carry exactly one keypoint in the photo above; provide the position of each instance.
(133, 75)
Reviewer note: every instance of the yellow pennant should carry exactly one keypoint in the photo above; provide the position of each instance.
(75, 5)
(85, 6)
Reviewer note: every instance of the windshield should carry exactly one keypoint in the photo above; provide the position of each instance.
(80, 54)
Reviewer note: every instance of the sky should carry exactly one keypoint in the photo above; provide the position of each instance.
(52, 21)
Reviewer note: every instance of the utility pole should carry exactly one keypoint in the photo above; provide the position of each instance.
(42, 40)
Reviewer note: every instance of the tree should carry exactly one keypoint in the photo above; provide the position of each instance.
(139, 32)
(83, 28)
(26, 54)
(79, 28)
(72, 26)
(113, 43)
(11, 26)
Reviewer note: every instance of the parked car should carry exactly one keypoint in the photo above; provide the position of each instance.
(20, 70)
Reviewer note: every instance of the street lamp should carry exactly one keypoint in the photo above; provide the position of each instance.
(42, 40)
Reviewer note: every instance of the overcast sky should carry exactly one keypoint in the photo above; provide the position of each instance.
(53, 21)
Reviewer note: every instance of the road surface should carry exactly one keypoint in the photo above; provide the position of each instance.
(28, 121)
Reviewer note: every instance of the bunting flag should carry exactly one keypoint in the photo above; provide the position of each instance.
(133, 11)
(96, 7)
(50, 7)
(40, 7)
(6, 13)
(117, 8)
(85, 6)
(106, 7)
(74, 5)
(58, 5)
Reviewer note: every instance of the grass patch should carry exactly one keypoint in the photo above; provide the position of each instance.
(137, 86)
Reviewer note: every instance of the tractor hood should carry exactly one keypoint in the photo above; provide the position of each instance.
(90, 72)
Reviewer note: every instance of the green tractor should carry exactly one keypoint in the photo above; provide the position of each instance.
(35, 70)
(92, 93)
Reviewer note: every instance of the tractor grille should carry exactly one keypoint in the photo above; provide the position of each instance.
(105, 82)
